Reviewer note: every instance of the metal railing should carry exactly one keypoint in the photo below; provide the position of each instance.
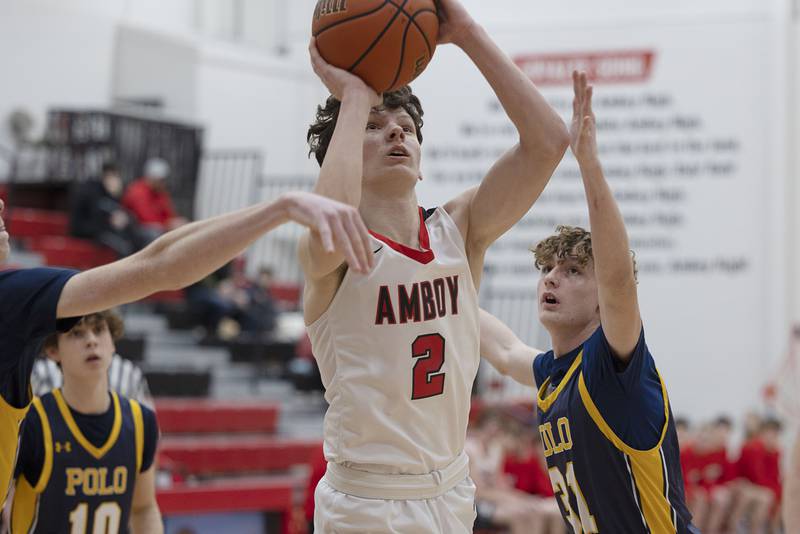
(233, 179)
(78, 142)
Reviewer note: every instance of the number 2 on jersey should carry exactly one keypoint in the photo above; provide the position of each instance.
(427, 381)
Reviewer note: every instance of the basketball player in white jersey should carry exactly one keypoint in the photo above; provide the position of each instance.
(398, 347)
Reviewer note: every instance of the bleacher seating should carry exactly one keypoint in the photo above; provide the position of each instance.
(230, 452)
(180, 416)
(30, 223)
(224, 455)
(232, 495)
(45, 233)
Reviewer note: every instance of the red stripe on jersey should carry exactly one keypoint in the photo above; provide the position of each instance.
(423, 256)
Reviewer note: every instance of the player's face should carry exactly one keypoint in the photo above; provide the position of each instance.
(3, 235)
(86, 350)
(567, 294)
(391, 147)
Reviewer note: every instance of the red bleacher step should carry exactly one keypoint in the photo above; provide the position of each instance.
(229, 495)
(204, 415)
(28, 222)
(236, 454)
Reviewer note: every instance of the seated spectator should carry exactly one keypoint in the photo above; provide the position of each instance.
(497, 501)
(759, 470)
(253, 308)
(207, 304)
(149, 200)
(231, 305)
(696, 495)
(713, 472)
(96, 214)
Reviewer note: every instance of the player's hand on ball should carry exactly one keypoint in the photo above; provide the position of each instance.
(338, 226)
(582, 131)
(455, 22)
(339, 81)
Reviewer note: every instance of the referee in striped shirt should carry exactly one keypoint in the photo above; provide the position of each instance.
(124, 377)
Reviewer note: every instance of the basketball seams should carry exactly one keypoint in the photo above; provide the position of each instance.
(412, 18)
(380, 35)
(402, 54)
(356, 17)
(421, 31)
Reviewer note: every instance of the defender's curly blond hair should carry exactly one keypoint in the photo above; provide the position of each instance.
(571, 242)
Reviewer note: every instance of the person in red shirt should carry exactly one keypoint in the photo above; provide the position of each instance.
(758, 478)
(696, 496)
(525, 466)
(149, 200)
(714, 472)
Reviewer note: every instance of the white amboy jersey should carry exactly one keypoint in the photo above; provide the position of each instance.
(398, 350)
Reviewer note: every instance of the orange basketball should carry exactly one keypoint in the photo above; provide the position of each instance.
(387, 43)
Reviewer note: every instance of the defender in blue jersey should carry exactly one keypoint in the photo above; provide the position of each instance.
(37, 302)
(604, 414)
(86, 454)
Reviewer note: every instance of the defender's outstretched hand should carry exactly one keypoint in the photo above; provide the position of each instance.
(339, 227)
(454, 21)
(583, 131)
(339, 81)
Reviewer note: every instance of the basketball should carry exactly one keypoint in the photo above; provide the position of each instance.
(386, 43)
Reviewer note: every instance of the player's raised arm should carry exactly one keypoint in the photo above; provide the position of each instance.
(518, 178)
(613, 265)
(189, 253)
(341, 173)
(505, 351)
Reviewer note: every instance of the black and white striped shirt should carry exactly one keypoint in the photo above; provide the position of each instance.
(124, 377)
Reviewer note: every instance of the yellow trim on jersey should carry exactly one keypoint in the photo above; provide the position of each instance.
(47, 434)
(606, 430)
(647, 466)
(10, 421)
(138, 429)
(545, 403)
(25, 507)
(78, 435)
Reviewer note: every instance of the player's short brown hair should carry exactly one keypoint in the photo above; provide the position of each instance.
(320, 132)
(111, 318)
(571, 242)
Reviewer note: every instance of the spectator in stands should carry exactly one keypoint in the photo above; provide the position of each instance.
(757, 498)
(254, 310)
(96, 214)
(696, 495)
(759, 468)
(715, 472)
(149, 200)
(498, 502)
(207, 305)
